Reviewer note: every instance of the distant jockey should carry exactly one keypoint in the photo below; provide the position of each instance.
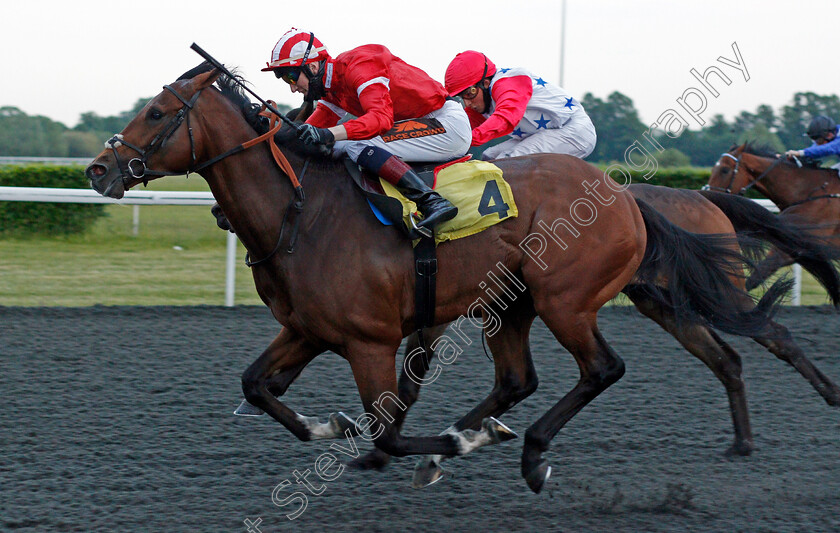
(379, 89)
(826, 136)
(539, 116)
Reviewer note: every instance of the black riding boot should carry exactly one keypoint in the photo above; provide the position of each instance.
(435, 208)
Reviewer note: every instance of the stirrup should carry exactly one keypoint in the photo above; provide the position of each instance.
(421, 230)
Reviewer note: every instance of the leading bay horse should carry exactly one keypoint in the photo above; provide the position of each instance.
(805, 195)
(338, 280)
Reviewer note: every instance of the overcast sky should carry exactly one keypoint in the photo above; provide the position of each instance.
(61, 58)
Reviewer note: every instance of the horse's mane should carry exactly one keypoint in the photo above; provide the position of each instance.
(232, 90)
(760, 149)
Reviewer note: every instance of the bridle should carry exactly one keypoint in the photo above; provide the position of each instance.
(295, 207)
(750, 185)
(136, 167)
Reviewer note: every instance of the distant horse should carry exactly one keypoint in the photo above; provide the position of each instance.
(338, 280)
(703, 212)
(807, 196)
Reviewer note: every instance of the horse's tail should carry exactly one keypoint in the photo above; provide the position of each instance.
(690, 274)
(815, 254)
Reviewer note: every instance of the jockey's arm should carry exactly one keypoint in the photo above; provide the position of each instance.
(511, 96)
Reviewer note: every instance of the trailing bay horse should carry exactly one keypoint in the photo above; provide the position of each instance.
(806, 195)
(338, 280)
(703, 212)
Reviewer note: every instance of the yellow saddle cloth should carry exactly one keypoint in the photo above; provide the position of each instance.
(477, 188)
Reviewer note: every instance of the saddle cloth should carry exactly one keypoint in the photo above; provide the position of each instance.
(477, 188)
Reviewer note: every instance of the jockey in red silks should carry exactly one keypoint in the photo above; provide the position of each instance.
(539, 116)
(379, 89)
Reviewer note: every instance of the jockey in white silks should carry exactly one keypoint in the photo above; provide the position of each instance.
(539, 116)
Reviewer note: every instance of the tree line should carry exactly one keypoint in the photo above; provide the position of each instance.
(615, 117)
(618, 125)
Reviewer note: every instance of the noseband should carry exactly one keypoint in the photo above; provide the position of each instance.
(136, 167)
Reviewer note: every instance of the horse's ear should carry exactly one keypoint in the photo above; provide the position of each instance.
(206, 79)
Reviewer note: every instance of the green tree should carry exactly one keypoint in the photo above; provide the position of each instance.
(761, 135)
(671, 157)
(616, 123)
(796, 116)
(24, 135)
(704, 146)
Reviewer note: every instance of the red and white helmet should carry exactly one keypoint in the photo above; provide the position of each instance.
(467, 69)
(291, 50)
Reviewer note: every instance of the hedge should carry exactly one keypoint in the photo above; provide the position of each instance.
(677, 177)
(22, 218)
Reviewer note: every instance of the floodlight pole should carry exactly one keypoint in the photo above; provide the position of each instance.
(562, 39)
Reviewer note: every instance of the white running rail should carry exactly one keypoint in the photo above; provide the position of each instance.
(135, 198)
(88, 196)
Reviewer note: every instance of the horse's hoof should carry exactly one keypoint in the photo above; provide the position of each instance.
(537, 477)
(374, 460)
(427, 472)
(342, 423)
(741, 449)
(498, 431)
(247, 409)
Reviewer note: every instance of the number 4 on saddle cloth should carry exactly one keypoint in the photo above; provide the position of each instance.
(477, 188)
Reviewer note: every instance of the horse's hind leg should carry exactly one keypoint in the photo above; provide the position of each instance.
(599, 366)
(408, 389)
(725, 362)
(373, 369)
(516, 379)
(781, 344)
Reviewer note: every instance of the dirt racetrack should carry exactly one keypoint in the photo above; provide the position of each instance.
(120, 419)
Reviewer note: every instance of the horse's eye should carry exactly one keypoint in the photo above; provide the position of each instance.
(725, 170)
(155, 114)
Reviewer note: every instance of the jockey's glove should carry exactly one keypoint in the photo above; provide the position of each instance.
(310, 134)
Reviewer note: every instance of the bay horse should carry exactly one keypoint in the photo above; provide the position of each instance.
(337, 280)
(806, 195)
(703, 212)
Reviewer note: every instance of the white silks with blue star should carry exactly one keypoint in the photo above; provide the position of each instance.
(550, 106)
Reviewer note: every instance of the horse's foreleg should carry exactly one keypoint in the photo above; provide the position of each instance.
(373, 369)
(781, 344)
(272, 373)
(413, 371)
(725, 362)
(277, 385)
(773, 262)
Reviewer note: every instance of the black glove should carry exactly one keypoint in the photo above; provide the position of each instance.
(309, 134)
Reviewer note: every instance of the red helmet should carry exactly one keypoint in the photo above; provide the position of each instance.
(296, 48)
(467, 69)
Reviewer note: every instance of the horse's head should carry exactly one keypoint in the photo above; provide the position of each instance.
(729, 174)
(153, 144)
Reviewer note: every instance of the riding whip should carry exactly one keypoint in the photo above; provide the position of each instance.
(210, 59)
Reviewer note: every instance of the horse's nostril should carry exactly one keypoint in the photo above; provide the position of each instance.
(96, 171)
